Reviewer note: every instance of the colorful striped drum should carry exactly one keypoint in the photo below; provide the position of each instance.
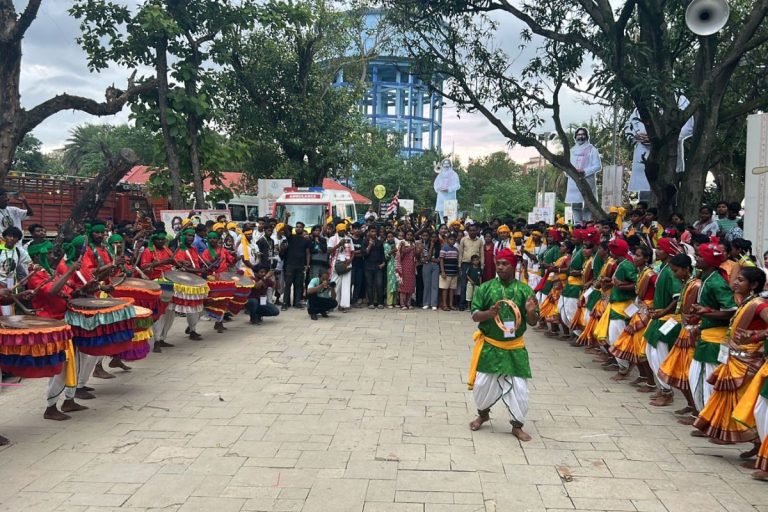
(243, 287)
(189, 291)
(144, 293)
(141, 336)
(102, 327)
(35, 347)
(222, 291)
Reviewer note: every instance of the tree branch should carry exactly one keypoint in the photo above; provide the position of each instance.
(115, 100)
(26, 19)
(742, 109)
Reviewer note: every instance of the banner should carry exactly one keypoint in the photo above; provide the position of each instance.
(451, 209)
(568, 215)
(269, 191)
(174, 218)
(407, 204)
(756, 184)
(613, 185)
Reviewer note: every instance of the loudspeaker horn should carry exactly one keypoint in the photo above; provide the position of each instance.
(706, 17)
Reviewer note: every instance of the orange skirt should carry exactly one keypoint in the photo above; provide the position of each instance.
(674, 369)
(631, 345)
(578, 318)
(548, 309)
(716, 421)
(588, 337)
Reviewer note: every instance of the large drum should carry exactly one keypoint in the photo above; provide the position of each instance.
(222, 291)
(189, 291)
(141, 336)
(102, 327)
(34, 347)
(243, 287)
(144, 293)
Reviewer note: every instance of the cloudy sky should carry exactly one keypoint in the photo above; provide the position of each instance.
(53, 63)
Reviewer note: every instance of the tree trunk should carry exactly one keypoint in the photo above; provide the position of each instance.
(701, 147)
(193, 127)
(10, 108)
(729, 180)
(177, 200)
(98, 190)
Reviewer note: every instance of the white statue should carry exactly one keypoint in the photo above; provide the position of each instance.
(446, 184)
(586, 159)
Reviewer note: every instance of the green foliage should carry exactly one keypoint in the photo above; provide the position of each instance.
(277, 90)
(499, 185)
(84, 152)
(28, 157)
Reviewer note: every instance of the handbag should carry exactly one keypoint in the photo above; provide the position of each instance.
(342, 267)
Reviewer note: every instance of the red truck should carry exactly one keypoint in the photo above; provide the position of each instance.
(52, 199)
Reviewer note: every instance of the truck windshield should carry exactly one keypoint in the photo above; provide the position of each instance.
(309, 214)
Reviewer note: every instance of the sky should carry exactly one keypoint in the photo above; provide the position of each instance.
(53, 63)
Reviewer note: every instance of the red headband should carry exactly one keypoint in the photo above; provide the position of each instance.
(669, 246)
(712, 255)
(507, 255)
(618, 247)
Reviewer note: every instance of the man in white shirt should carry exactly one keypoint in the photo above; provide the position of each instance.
(10, 215)
(14, 262)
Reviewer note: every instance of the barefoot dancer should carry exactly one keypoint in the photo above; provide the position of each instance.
(665, 297)
(500, 368)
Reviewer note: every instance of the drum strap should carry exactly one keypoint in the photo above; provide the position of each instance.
(190, 258)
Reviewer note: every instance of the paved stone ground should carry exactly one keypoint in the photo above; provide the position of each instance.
(364, 412)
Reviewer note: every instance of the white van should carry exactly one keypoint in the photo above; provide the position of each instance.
(313, 205)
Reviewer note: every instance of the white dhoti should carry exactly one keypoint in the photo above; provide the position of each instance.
(567, 307)
(343, 288)
(697, 377)
(656, 356)
(533, 280)
(56, 387)
(489, 388)
(761, 417)
(615, 328)
(163, 324)
(85, 366)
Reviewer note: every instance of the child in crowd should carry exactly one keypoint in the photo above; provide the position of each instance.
(474, 278)
(449, 271)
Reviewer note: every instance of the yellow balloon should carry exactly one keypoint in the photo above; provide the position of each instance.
(379, 191)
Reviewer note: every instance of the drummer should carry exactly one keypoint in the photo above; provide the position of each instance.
(154, 263)
(100, 261)
(188, 260)
(5, 298)
(50, 301)
(216, 258)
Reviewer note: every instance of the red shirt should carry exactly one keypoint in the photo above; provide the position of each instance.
(188, 256)
(226, 259)
(148, 257)
(91, 263)
(78, 279)
(51, 306)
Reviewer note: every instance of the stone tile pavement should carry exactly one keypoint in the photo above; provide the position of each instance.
(362, 412)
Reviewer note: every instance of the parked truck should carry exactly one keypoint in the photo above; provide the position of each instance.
(52, 199)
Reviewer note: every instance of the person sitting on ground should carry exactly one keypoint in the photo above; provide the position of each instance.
(321, 295)
(258, 305)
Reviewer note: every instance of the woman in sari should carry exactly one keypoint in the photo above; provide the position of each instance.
(390, 254)
(595, 298)
(674, 370)
(405, 267)
(630, 346)
(730, 380)
(558, 275)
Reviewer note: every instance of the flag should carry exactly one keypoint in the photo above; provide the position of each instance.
(394, 204)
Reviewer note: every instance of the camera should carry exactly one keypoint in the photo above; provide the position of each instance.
(332, 284)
